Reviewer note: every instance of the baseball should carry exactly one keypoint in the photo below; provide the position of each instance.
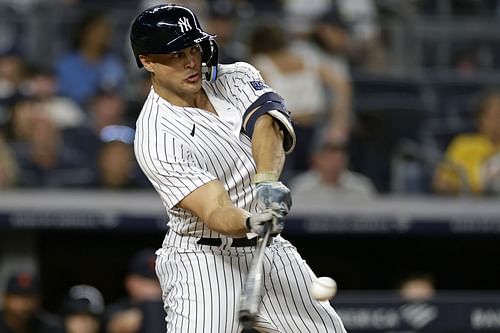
(323, 288)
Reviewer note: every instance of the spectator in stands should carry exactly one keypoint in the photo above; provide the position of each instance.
(273, 7)
(329, 178)
(90, 67)
(106, 108)
(20, 120)
(328, 41)
(417, 287)
(302, 84)
(472, 161)
(142, 310)
(40, 84)
(12, 72)
(8, 166)
(300, 14)
(117, 167)
(82, 309)
(141, 86)
(21, 311)
(221, 22)
(352, 25)
(368, 51)
(45, 160)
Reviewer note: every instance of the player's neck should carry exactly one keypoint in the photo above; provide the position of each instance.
(198, 99)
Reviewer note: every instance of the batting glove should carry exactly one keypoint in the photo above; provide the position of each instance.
(274, 195)
(257, 221)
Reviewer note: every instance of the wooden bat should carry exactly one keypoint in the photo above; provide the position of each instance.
(252, 289)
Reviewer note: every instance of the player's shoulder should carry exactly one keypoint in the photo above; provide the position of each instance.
(239, 68)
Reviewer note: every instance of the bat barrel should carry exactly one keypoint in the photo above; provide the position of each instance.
(250, 298)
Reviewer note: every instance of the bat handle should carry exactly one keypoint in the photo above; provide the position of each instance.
(267, 235)
(247, 319)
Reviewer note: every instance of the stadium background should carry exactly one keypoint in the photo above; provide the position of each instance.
(439, 56)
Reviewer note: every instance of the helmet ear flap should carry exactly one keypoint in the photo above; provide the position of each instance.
(210, 53)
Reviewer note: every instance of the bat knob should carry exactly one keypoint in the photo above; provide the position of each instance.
(246, 319)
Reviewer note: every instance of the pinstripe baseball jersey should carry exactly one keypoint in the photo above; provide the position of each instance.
(182, 148)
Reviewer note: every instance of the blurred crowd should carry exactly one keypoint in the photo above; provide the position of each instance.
(83, 308)
(67, 117)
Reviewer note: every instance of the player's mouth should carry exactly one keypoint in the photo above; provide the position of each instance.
(193, 78)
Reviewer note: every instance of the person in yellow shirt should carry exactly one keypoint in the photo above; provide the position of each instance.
(472, 161)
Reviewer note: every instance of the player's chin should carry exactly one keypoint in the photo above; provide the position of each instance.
(192, 86)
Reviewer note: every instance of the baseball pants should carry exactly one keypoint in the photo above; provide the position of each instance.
(201, 287)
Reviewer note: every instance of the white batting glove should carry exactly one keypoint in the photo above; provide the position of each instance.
(257, 221)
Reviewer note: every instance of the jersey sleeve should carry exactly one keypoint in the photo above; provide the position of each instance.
(174, 174)
(249, 85)
(254, 98)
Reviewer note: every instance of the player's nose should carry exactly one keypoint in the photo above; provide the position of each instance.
(190, 60)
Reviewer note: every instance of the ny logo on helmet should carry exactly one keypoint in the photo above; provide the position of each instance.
(184, 24)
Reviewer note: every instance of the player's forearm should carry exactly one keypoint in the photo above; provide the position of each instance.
(267, 146)
(229, 221)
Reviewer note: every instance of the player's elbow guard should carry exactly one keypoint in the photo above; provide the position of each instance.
(272, 104)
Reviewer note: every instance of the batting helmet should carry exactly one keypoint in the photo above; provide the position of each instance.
(171, 28)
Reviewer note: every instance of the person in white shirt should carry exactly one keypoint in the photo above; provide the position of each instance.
(329, 177)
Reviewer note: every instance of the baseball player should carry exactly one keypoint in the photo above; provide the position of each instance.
(212, 138)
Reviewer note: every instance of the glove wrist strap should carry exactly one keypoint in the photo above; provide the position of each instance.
(265, 176)
(247, 223)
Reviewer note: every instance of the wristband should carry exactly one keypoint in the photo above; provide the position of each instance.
(265, 176)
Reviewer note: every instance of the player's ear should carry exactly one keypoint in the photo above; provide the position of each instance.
(146, 62)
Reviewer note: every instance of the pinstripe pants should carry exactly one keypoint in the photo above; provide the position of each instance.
(201, 286)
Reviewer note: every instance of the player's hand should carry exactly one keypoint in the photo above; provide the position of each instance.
(275, 196)
(257, 221)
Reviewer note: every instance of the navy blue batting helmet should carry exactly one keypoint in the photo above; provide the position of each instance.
(171, 28)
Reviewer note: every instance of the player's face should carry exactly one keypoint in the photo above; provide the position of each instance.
(179, 72)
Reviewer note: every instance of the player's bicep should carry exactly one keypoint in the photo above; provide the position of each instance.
(204, 200)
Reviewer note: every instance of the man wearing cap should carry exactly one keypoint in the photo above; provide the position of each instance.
(142, 310)
(82, 309)
(329, 178)
(21, 312)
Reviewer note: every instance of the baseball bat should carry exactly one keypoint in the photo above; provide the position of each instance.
(251, 293)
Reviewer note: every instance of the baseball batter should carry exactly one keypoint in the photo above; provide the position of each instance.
(212, 139)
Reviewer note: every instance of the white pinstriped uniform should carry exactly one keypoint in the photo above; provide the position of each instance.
(182, 148)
